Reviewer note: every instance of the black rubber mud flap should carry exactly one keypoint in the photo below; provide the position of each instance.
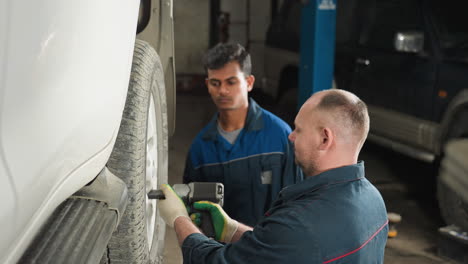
(80, 228)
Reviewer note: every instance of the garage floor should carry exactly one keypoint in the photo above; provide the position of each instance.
(413, 199)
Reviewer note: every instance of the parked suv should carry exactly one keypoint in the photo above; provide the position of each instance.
(83, 129)
(408, 59)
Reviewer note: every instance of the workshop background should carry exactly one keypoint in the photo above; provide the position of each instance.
(407, 184)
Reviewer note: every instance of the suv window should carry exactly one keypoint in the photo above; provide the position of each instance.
(450, 21)
(347, 24)
(383, 19)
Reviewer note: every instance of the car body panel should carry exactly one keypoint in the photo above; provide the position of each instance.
(383, 76)
(158, 32)
(452, 79)
(409, 93)
(64, 78)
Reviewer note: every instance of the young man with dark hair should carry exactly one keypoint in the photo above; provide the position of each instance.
(244, 146)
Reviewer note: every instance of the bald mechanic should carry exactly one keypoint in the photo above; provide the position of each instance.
(334, 216)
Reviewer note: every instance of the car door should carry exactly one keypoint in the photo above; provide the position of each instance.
(384, 76)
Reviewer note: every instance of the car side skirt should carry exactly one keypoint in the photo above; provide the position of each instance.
(80, 228)
(403, 133)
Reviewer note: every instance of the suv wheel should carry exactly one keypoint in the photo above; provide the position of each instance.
(453, 208)
(139, 158)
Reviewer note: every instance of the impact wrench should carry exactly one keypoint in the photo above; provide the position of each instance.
(194, 192)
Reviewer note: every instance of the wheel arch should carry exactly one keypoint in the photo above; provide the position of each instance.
(144, 15)
(453, 208)
(457, 109)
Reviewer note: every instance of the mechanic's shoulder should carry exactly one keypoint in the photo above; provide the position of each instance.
(296, 215)
(274, 122)
(207, 133)
(303, 205)
(199, 142)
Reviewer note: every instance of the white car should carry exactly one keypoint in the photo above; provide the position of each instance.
(83, 129)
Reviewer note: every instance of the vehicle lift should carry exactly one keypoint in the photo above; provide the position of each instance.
(317, 47)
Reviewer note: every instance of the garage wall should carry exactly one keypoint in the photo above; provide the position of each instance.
(249, 21)
(238, 20)
(191, 33)
(260, 17)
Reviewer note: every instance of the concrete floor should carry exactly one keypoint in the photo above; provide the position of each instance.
(416, 241)
(193, 113)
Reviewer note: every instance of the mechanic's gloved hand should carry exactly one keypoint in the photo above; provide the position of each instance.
(224, 226)
(172, 207)
(196, 218)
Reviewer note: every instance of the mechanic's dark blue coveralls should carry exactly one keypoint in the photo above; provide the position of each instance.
(253, 169)
(337, 216)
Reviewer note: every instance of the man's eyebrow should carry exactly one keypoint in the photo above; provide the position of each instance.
(218, 80)
(213, 79)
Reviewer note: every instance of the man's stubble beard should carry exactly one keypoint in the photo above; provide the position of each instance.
(309, 170)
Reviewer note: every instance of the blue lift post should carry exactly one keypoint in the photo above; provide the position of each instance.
(318, 26)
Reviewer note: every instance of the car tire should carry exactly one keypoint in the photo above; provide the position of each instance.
(453, 207)
(139, 158)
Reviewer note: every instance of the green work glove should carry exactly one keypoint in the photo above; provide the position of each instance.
(196, 219)
(172, 207)
(224, 226)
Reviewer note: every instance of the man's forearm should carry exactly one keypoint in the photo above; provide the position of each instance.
(184, 227)
(240, 231)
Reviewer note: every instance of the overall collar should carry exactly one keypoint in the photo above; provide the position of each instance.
(253, 122)
(329, 177)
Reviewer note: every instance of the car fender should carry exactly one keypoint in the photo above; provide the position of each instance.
(64, 74)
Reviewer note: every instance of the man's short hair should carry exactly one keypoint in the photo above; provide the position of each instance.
(224, 53)
(349, 110)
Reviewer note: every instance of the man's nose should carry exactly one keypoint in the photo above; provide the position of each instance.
(223, 89)
(291, 137)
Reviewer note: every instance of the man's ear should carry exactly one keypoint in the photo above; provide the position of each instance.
(327, 138)
(250, 82)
